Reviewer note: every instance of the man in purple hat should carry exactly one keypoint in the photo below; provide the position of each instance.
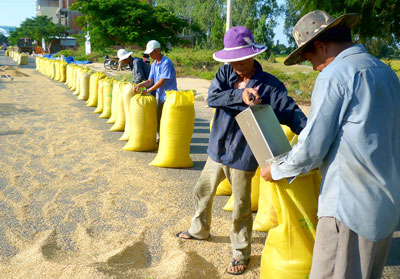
(237, 84)
(353, 136)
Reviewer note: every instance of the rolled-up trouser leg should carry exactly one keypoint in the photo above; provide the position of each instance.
(204, 193)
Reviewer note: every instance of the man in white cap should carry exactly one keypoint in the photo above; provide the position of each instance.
(353, 136)
(162, 77)
(140, 69)
(237, 85)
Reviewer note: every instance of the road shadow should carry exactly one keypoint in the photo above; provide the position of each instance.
(8, 109)
(11, 132)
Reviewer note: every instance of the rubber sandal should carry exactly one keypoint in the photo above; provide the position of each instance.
(235, 262)
(189, 236)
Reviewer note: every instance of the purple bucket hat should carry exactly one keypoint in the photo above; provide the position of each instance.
(238, 45)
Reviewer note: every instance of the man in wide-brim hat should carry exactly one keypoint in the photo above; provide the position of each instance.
(353, 136)
(237, 84)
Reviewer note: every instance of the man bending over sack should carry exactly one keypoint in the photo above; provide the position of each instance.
(353, 136)
(229, 156)
(140, 67)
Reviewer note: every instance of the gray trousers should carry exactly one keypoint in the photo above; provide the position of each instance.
(242, 219)
(341, 253)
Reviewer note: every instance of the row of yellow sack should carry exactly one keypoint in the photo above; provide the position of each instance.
(288, 212)
(20, 58)
(134, 114)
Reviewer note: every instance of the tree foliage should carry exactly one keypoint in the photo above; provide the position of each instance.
(210, 15)
(128, 22)
(380, 18)
(37, 28)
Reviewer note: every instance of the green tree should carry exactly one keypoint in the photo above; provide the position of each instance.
(217, 33)
(38, 28)
(210, 16)
(3, 39)
(380, 18)
(128, 22)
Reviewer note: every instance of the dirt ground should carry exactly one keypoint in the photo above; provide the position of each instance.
(73, 204)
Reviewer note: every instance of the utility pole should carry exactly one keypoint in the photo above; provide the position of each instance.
(228, 15)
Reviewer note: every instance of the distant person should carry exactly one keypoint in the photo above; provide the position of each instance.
(229, 156)
(162, 76)
(353, 136)
(4, 45)
(140, 69)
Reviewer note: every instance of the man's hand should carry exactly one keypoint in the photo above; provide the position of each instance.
(136, 89)
(250, 96)
(266, 173)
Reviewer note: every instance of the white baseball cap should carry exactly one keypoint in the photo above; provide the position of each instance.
(152, 45)
(123, 54)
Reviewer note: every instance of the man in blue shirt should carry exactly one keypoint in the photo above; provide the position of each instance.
(162, 76)
(353, 136)
(231, 92)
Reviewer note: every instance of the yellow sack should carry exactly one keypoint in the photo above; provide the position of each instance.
(94, 89)
(176, 129)
(127, 94)
(23, 59)
(119, 124)
(100, 104)
(143, 124)
(63, 71)
(68, 74)
(78, 81)
(52, 69)
(288, 249)
(107, 97)
(255, 190)
(266, 216)
(56, 71)
(84, 85)
(73, 78)
(224, 188)
(114, 101)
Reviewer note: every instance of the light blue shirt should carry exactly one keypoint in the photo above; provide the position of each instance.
(165, 69)
(353, 136)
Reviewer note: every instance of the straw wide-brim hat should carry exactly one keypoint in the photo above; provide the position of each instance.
(312, 25)
(238, 45)
(123, 54)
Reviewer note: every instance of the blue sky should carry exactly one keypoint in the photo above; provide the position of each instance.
(13, 12)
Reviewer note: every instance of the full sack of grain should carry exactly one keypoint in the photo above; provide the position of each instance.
(94, 88)
(115, 101)
(127, 94)
(78, 81)
(107, 98)
(23, 59)
(119, 124)
(289, 246)
(176, 129)
(63, 71)
(143, 123)
(84, 84)
(100, 103)
(266, 217)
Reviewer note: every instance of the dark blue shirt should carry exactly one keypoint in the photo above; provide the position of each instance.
(227, 144)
